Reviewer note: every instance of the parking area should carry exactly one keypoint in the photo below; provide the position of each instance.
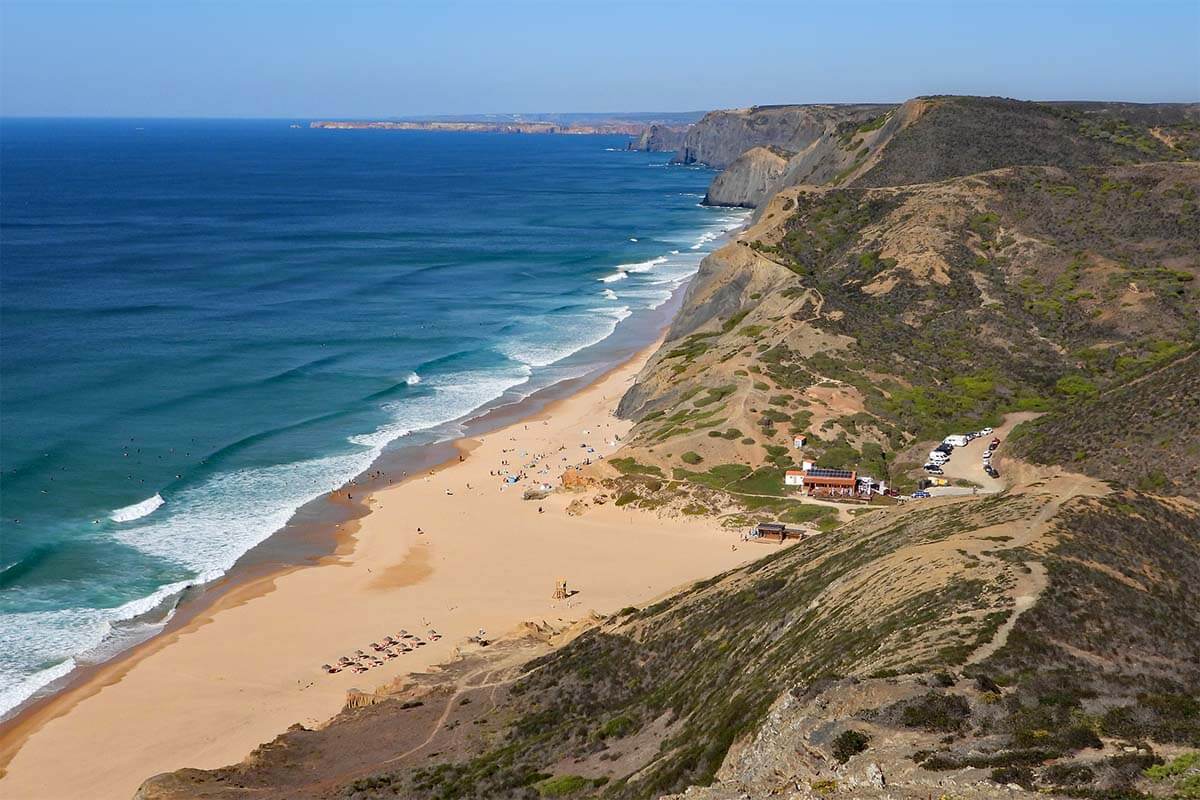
(967, 462)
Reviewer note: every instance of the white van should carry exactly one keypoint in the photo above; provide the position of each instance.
(957, 440)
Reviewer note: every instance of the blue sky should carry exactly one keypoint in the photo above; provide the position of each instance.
(301, 58)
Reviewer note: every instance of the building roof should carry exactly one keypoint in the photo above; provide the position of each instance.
(828, 472)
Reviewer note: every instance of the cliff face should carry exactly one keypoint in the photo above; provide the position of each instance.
(749, 179)
(721, 136)
(660, 138)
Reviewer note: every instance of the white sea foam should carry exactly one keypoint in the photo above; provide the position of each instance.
(642, 266)
(245, 507)
(20, 687)
(137, 510)
(547, 341)
(207, 527)
(448, 397)
(59, 639)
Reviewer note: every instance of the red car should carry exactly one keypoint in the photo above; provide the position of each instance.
(995, 443)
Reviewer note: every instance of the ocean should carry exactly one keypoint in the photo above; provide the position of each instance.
(205, 325)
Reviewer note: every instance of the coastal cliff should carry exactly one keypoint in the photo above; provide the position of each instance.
(721, 136)
(624, 128)
(749, 179)
(839, 145)
(912, 271)
(660, 138)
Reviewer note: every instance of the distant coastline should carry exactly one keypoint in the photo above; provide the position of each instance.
(537, 127)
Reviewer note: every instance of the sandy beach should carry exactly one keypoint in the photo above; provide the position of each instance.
(246, 668)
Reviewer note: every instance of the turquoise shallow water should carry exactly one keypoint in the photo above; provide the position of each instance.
(206, 324)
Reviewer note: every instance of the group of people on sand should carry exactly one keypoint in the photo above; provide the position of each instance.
(387, 648)
(538, 464)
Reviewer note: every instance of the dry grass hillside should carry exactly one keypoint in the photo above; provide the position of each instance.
(930, 139)
(1045, 639)
(875, 320)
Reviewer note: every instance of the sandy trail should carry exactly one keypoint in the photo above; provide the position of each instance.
(245, 670)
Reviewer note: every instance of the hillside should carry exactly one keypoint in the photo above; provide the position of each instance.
(935, 138)
(954, 136)
(872, 320)
(963, 262)
(946, 668)
(1117, 435)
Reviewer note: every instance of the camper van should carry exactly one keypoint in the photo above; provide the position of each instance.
(957, 440)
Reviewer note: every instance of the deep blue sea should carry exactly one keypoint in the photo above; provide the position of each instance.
(206, 324)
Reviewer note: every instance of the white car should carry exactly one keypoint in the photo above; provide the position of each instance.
(987, 455)
(986, 432)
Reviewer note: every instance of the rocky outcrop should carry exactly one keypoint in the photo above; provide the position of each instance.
(749, 179)
(721, 136)
(660, 138)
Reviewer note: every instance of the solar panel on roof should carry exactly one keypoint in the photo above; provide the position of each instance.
(826, 472)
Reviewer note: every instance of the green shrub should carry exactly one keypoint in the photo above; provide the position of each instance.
(936, 712)
(630, 466)
(1067, 774)
(849, 743)
(1075, 386)
(691, 457)
(1021, 776)
(617, 727)
(562, 785)
(626, 497)
(1177, 766)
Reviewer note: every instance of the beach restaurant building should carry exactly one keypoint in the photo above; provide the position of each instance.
(823, 481)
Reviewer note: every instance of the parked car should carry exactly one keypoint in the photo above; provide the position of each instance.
(987, 455)
(995, 443)
(933, 469)
(991, 471)
(920, 495)
(945, 448)
(986, 432)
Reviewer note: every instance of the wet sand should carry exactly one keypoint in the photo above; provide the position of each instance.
(245, 667)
